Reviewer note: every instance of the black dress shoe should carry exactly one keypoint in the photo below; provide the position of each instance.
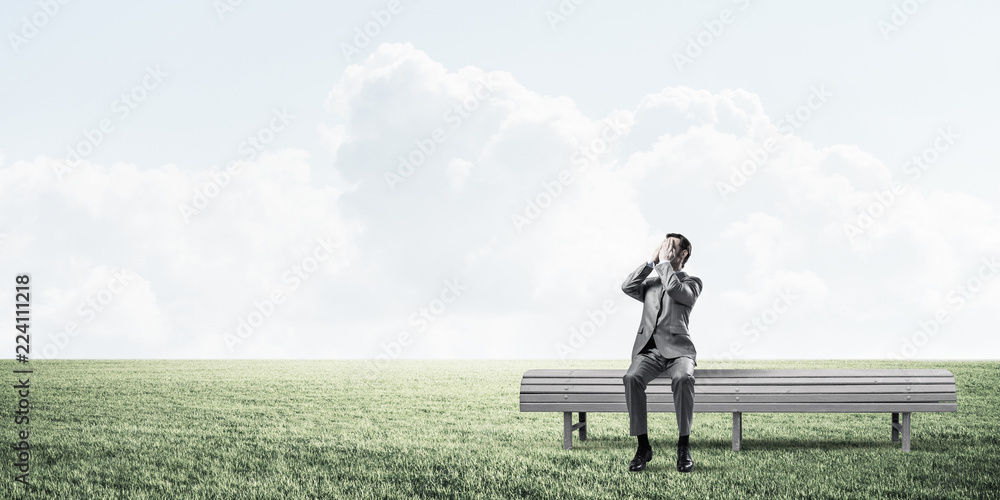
(641, 457)
(684, 462)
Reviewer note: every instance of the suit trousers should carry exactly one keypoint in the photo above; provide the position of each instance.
(648, 365)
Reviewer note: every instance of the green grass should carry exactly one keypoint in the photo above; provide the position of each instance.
(452, 429)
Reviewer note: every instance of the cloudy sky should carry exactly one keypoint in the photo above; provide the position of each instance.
(466, 180)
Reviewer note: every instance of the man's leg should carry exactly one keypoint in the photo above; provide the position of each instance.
(681, 372)
(645, 367)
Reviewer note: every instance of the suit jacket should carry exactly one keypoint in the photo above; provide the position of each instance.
(667, 299)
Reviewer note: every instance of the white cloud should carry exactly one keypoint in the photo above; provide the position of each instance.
(193, 280)
(785, 226)
(490, 149)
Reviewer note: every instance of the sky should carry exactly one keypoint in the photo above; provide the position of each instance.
(437, 180)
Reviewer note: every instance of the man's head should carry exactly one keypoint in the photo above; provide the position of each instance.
(682, 249)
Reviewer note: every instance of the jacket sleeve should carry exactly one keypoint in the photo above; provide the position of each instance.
(685, 292)
(634, 285)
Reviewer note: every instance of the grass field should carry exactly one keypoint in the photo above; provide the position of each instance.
(452, 429)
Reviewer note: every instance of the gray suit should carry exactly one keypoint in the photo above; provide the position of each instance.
(662, 343)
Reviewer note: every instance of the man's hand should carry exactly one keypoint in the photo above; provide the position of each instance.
(666, 251)
(656, 253)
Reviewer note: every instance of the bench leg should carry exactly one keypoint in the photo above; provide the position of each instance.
(569, 427)
(906, 431)
(567, 430)
(737, 429)
(895, 427)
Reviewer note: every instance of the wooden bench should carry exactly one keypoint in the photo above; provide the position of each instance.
(895, 391)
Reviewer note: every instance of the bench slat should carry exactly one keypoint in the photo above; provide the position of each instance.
(745, 398)
(738, 391)
(743, 389)
(665, 380)
(743, 373)
(751, 407)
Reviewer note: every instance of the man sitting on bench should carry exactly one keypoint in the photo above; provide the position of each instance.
(663, 344)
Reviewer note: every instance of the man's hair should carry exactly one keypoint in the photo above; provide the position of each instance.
(685, 245)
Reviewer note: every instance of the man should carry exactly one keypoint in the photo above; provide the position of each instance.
(663, 344)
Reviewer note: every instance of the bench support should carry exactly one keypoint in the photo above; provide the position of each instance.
(906, 431)
(737, 429)
(569, 427)
(903, 427)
